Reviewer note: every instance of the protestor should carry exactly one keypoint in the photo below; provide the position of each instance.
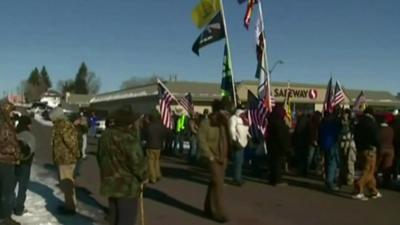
(214, 146)
(239, 132)
(155, 134)
(66, 153)
(27, 142)
(300, 142)
(278, 145)
(367, 142)
(194, 128)
(386, 151)
(81, 128)
(396, 129)
(328, 141)
(84, 129)
(123, 167)
(10, 156)
(313, 146)
(181, 131)
(92, 125)
(348, 152)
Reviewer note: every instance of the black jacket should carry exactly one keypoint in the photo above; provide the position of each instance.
(366, 134)
(279, 138)
(155, 134)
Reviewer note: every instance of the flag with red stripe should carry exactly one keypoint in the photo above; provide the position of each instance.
(187, 103)
(329, 97)
(165, 106)
(249, 12)
(360, 102)
(339, 96)
(257, 113)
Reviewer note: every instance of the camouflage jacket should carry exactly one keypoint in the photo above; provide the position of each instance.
(65, 143)
(122, 163)
(9, 148)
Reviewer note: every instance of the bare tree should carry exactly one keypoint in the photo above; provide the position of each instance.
(93, 83)
(66, 86)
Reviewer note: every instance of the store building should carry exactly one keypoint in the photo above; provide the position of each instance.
(304, 97)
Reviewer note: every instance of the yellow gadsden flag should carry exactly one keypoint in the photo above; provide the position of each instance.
(204, 12)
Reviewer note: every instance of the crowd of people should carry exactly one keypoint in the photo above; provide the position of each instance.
(333, 145)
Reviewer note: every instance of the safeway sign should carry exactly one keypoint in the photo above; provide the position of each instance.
(297, 93)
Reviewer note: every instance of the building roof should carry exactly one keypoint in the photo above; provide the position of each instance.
(199, 90)
(284, 84)
(380, 98)
(51, 93)
(78, 99)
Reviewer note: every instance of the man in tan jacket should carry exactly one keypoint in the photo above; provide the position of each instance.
(213, 138)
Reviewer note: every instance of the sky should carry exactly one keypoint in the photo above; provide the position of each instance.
(357, 41)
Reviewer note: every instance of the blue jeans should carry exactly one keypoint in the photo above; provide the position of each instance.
(178, 144)
(332, 163)
(311, 157)
(22, 172)
(193, 148)
(238, 158)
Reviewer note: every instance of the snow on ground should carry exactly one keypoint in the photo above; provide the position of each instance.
(43, 198)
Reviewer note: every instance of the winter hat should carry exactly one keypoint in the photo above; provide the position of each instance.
(57, 113)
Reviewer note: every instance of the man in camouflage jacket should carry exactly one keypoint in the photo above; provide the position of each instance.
(9, 157)
(123, 167)
(65, 155)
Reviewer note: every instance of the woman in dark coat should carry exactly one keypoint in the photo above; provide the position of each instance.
(278, 144)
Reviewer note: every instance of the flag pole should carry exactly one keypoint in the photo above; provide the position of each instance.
(265, 41)
(265, 52)
(165, 87)
(229, 50)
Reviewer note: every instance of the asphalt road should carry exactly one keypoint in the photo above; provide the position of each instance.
(178, 198)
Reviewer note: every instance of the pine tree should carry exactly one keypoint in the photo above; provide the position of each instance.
(80, 85)
(34, 78)
(46, 78)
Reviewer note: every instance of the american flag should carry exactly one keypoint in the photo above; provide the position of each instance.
(339, 96)
(257, 113)
(329, 97)
(360, 102)
(187, 103)
(165, 106)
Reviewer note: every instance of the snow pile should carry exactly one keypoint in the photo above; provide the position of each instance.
(43, 198)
